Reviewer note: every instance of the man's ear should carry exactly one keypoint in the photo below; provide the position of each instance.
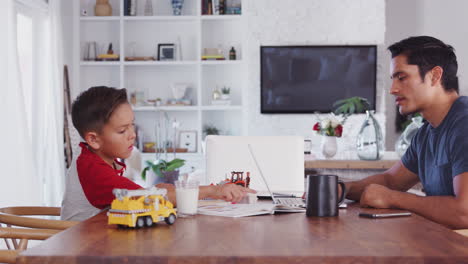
(436, 72)
(92, 138)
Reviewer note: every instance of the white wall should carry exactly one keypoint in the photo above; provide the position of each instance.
(310, 22)
(67, 32)
(447, 21)
(401, 23)
(288, 22)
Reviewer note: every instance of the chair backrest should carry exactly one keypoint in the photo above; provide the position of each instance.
(36, 228)
(17, 216)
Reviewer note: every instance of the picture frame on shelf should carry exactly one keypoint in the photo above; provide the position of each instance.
(166, 52)
(188, 140)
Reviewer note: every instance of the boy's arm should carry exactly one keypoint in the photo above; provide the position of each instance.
(227, 192)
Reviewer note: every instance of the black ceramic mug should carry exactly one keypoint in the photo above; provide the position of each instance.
(322, 195)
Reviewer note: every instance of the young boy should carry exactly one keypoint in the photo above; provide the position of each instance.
(104, 119)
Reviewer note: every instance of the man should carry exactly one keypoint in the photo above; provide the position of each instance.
(424, 74)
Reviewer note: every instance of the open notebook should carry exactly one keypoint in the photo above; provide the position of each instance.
(227, 209)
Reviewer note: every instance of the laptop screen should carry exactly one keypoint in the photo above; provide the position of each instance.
(281, 159)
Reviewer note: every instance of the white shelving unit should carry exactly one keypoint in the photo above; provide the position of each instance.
(155, 78)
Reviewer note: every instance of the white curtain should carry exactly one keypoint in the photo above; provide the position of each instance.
(48, 116)
(32, 170)
(20, 181)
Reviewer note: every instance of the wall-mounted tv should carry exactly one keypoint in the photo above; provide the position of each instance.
(308, 79)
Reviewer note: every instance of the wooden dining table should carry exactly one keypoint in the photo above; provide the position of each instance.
(278, 238)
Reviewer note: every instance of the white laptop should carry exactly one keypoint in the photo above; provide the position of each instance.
(287, 204)
(281, 157)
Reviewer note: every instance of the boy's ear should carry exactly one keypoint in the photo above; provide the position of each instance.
(92, 138)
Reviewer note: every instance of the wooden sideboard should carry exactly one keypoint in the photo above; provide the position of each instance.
(350, 164)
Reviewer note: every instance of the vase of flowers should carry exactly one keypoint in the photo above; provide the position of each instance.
(330, 128)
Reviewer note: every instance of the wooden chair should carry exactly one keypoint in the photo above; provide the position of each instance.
(33, 228)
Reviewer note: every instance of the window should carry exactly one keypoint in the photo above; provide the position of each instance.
(25, 46)
(38, 95)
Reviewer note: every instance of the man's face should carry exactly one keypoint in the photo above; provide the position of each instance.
(118, 134)
(412, 94)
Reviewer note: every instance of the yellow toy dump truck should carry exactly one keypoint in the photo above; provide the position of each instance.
(137, 208)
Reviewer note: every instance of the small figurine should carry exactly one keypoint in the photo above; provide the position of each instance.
(139, 208)
(237, 177)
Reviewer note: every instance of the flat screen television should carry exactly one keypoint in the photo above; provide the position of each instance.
(308, 79)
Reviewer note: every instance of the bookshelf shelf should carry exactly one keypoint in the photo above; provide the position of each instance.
(139, 36)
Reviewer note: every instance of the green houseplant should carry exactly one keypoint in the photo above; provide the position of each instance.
(166, 171)
(352, 105)
(210, 130)
(225, 93)
(226, 90)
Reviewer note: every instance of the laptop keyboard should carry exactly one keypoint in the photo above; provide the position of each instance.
(293, 202)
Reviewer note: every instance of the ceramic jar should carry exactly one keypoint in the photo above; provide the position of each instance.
(102, 8)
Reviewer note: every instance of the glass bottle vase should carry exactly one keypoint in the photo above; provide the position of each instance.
(405, 138)
(369, 142)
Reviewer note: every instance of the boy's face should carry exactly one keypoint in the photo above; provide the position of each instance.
(117, 136)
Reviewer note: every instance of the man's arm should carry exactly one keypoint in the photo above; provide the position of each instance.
(398, 177)
(447, 210)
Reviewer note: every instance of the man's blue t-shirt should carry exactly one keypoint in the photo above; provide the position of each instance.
(439, 154)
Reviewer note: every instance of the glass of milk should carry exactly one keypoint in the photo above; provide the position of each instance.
(187, 197)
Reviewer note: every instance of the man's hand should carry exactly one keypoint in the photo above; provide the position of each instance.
(230, 192)
(377, 196)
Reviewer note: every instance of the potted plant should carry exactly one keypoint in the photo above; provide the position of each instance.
(158, 101)
(349, 106)
(225, 93)
(210, 130)
(165, 172)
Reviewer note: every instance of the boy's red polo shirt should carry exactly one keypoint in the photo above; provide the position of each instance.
(98, 178)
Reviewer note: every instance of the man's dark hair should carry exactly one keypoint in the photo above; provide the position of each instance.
(93, 108)
(427, 53)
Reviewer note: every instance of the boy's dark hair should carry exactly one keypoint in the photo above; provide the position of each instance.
(427, 52)
(93, 107)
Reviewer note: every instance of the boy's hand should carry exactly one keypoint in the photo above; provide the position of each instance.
(230, 192)
(167, 186)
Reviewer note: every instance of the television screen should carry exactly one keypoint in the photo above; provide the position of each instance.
(308, 79)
